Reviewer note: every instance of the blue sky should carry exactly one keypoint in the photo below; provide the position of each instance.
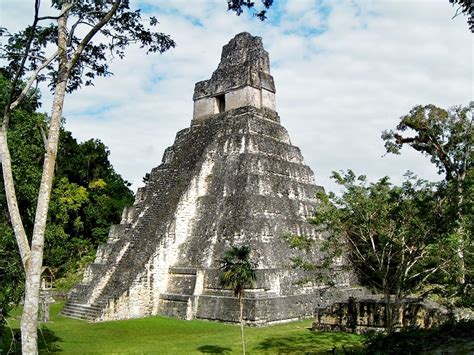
(344, 71)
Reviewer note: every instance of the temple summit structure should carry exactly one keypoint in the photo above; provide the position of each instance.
(231, 178)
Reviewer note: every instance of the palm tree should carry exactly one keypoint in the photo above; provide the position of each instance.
(237, 271)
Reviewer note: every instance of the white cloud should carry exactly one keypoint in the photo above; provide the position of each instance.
(336, 91)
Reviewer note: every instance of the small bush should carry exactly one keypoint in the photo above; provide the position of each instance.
(415, 340)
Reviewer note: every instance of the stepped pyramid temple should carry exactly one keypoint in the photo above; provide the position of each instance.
(231, 178)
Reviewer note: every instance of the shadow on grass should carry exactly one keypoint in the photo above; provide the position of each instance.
(46, 341)
(214, 349)
(310, 343)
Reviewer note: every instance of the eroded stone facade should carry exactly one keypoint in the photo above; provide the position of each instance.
(232, 178)
(241, 79)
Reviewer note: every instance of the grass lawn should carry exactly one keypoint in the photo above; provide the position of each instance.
(157, 335)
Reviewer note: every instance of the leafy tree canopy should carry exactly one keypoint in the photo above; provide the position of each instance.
(445, 136)
(87, 198)
(124, 28)
(397, 239)
(238, 7)
(392, 234)
(465, 7)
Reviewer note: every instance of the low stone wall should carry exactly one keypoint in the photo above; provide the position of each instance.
(360, 315)
(59, 295)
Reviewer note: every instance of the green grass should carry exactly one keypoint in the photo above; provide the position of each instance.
(157, 335)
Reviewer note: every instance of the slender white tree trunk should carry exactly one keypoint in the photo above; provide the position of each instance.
(12, 203)
(29, 320)
(241, 318)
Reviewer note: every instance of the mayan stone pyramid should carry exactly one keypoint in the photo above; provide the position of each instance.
(232, 178)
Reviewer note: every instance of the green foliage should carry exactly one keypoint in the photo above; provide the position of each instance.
(87, 165)
(28, 155)
(126, 27)
(73, 274)
(24, 124)
(396, 238)
(11, 272)
(449, 337)
(87, 198)
(238, 7)
(465, 7)
(67, 199)
(319, 272)
(300, 242)
(237, 270)
(445, 136)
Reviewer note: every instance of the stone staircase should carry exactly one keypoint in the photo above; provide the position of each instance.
(75, 308)
(82, 311)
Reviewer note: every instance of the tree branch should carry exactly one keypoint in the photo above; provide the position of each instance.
(6, 115)
(77, 53)
(43, 136)
(31, 80)
(63, 12)
(73, 29)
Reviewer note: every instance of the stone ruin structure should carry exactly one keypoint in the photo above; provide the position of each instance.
(367, 314)
(231, 178)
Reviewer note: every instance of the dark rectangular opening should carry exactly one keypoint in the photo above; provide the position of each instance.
(220, 102)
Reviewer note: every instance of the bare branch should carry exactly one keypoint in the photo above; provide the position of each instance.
(360, 254)
(73, 28)
(6, 115)
(31, 80)
(77, 53)
(43, 136)
(63, 12)
(457, 13)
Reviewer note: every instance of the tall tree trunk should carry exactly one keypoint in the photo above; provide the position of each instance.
(10, 193)
(241, 318)
(29, 320)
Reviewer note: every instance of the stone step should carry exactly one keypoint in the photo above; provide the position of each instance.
(175, 297)
(94, 306)
(73, 300)
(250, 294)
(79, 314)
(81, 311)
(182, 270)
